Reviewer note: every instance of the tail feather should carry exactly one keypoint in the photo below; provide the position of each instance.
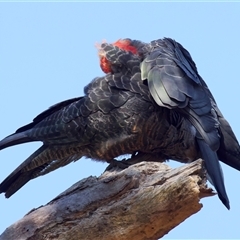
(15, 183)
(214, 171)
(46, 159)
(20, 176)
(229, 151)
(14, 139)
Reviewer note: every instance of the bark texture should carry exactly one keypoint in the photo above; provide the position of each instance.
(142, 202)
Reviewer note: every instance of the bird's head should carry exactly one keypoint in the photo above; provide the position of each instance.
(117, 54)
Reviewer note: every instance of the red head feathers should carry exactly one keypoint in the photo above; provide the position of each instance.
(124, 44)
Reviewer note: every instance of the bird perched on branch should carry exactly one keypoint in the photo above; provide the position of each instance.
(151, 101)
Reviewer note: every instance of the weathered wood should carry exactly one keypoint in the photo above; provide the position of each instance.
(144, 201)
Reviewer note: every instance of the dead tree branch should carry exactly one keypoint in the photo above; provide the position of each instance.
(142, 202)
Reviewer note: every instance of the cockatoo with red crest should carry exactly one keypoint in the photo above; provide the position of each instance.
(152, 101)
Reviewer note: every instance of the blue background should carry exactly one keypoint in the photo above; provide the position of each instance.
(47, 55)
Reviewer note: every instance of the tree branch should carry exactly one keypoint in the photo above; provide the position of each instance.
(144, 201)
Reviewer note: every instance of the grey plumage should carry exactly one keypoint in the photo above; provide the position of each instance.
(152, 102)
(174, 83)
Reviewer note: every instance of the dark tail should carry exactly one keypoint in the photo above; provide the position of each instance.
(14, 139)
(229, 151)
(22, 174)
(46, 159)
(214, 171)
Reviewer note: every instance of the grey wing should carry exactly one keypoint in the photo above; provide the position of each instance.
(66, 129)
(54, 125)
(174, 83)
(229, 150)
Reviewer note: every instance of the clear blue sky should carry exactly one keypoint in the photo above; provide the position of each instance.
(47, 55)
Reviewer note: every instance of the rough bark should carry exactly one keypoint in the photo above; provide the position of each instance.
(142, 202)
